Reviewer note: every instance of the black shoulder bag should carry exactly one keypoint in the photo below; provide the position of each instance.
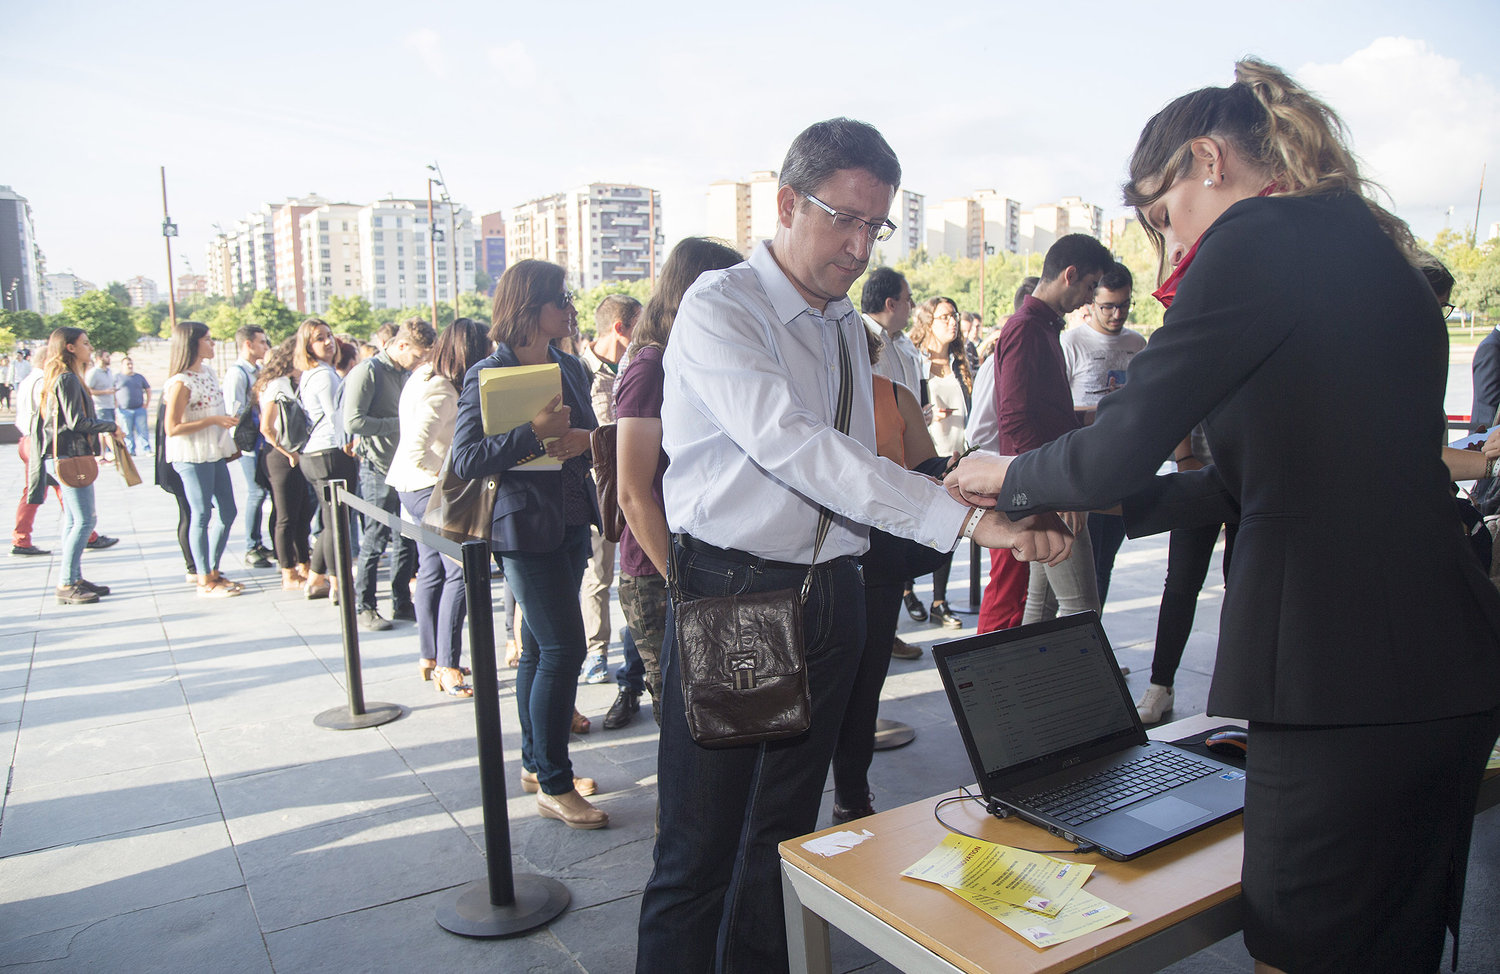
(744, 665)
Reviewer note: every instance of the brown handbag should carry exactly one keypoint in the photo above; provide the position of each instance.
(602, 447)
(72, 471)
(462, 509)
(743, 661)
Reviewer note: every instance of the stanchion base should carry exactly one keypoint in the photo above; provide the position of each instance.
(339, 718)
(468, 911)
(892, 733)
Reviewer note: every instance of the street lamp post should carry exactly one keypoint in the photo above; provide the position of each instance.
(168, 231)
(431, 255)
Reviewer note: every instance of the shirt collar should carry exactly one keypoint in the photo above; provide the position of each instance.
(1035, 306)
(786, 300)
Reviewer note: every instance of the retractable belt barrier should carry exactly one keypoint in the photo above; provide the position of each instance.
(504, 903)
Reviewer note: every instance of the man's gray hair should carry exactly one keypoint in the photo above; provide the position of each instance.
(824, 148)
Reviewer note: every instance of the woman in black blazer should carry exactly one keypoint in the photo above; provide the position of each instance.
(541, 525)
(1359, 636)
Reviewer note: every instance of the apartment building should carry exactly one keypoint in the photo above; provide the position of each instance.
(287, 246)
(599, 232)
(909, 214)
(20, 258)
(394, 239)
(743, 212)
(492, 245)
(57, 288)
(329, 249)
(142, 291)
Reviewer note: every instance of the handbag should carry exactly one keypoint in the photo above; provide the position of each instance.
(602, 447)
(125, 463)
(463, 510)
(72, 471)
(743, 660)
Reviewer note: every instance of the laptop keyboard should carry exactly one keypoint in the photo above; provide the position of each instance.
(1151, 774)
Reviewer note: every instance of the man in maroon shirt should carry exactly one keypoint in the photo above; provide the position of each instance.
(1034, 403)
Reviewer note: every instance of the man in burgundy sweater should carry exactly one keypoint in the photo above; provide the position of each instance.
(1034, 404)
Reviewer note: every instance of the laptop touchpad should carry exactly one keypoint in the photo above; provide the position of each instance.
(1168, 813)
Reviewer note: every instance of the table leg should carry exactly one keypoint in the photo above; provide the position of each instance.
(806, 933)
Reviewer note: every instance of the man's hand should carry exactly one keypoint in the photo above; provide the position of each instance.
(1491, 447)
(1075, 520)
(1040, 537)
(977, 479)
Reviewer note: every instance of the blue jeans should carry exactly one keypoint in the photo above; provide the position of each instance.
(373, 541)
(438, 595)
(255, 502)
(137, 434)
(210, 497)
(78, 518)
(552, 649)
(714, 899)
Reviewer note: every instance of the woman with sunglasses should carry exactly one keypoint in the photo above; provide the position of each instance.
(541, 525)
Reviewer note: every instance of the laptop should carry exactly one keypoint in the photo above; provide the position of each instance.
(1054, 738)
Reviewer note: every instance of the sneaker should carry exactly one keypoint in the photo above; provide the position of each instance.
(407, 612)
(597, 671)
(373, 621)
(28, 549)
(102, 541)
(900, 649)
(75, 594)
(264, 552)
(89, 586)
(255, 559)
(626, 706)
(914, 607)
(1155, 703)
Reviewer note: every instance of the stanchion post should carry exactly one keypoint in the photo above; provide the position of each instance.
(502, 904)
(357, 715)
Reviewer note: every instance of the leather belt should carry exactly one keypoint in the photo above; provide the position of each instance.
(745, 558)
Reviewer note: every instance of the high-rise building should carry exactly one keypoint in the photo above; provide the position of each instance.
(20, 258)
(57, 288)
(538, 230)
(252, 252)
(1042, 225)
(492, 244)
(909, 214)
(961, 226)
(287, 244)
(142, 291)
(394, 236)
(191, 285)
(329, 249)
(743, 212)
(614, 233)
(220, 276)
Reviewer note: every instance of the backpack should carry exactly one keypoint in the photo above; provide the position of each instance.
(292, 430)
(247, 423)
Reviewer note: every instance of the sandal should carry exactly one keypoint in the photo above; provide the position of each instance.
(217, 590)
(581, 724)
(425, 666)
(512, 654)
(450, 680)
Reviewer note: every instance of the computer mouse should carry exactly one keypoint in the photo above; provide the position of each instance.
(1233, 743)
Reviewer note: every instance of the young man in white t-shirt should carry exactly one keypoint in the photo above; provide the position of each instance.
(1097, 355)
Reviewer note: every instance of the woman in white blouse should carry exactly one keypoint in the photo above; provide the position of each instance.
(429, 405)
(199, 446)
(327, 456)
(278, 377)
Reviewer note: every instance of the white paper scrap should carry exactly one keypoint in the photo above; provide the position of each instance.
(836, 842)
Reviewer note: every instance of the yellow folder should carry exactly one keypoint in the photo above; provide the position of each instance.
(510, 397)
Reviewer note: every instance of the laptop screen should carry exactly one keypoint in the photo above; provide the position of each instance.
(1034, 693)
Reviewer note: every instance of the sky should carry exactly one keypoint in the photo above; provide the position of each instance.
(246, 104)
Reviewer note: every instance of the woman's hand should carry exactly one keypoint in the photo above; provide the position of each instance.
(552, 421)
(572, 443)
(977, 479)
(227, 422)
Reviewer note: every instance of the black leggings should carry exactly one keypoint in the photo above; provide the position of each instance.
(293, 516)
(1188, 554)
(320, 468)
(184, 529)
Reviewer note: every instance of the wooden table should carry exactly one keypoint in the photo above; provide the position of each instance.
(1182, 897)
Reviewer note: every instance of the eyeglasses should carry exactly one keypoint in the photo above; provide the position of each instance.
(564, 299)
(848, 223)
(1448, 310)
(1109, 309)
(946, 316)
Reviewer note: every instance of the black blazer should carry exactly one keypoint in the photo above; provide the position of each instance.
(528, 503)
(1486, 372)
(69, 413)
(1317, 358)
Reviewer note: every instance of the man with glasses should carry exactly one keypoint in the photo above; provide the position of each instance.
(1097, 356)
(760, 355)
(1034, 405)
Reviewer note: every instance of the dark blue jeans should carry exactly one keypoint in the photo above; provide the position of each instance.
(373, 541)
(714, 899)
(437, 595)
(552, 649)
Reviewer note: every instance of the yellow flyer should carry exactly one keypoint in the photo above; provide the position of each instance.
(511, 396)
(1083, 913)
(1029, 879)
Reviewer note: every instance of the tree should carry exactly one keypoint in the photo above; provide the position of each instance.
(352, 315)
(223, 321)
(483, 284)
(117, 293)
(7, 340)
(587, 301)
(107, 323)
(25, 324)
(151, 320)
(474, 306)
(272, 314)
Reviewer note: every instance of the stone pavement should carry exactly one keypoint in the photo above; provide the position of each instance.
(172, 807)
